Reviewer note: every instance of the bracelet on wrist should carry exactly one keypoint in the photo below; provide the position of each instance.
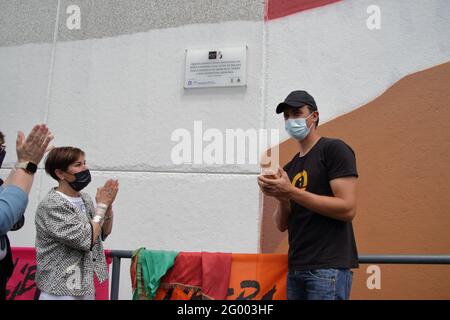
(98, 219)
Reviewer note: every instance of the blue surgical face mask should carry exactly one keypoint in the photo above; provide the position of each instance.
(297, 128)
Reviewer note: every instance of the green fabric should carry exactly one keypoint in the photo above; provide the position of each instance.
(138, 292)
(154, 265)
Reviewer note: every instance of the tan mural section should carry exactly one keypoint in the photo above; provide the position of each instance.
(402, 145)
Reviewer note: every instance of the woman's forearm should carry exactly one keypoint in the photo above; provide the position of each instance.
(21, 179)
(108, 222)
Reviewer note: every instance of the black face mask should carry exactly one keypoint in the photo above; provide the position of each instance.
(82, 179)
(2, 156)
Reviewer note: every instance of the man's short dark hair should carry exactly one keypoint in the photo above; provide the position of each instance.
(312, 109)
(61, 158)
(2, 138)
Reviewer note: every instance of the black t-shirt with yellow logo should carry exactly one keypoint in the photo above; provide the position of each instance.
(316, 241)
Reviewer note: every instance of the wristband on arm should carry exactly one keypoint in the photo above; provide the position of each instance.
(101, 209)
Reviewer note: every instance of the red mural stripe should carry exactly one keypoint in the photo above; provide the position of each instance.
(281, 8)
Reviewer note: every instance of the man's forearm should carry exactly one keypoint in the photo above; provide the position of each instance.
(332, 207)
(282, 213)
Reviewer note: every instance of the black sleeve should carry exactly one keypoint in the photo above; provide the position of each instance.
(340, 160)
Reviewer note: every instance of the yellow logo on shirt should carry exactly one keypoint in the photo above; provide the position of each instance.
(300, 180)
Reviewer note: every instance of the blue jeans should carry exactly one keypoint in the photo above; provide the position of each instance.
(319, 284)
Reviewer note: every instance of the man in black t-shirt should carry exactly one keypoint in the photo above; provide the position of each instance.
(316, 191)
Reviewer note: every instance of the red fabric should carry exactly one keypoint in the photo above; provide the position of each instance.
(216, 269)
(209, 272)
(102, 289)
(21, 285)
(187, 270)
(281, 8)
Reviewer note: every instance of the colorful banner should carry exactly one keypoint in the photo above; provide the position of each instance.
(252, 277)
(21, 285)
